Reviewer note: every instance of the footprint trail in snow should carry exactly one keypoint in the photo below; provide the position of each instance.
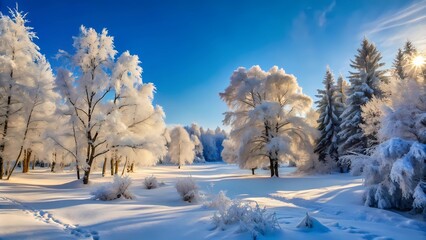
(48, 218)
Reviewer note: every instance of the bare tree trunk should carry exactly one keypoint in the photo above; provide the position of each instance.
(34, 162)
(16, 163)
(104, 167)
(124, 167)
(53, 163)
(24, 162)
(5, 127)
(116, 166)
(276, 168)
(112, 166)
(271, 167)
(77, 168)
(132, 167)
(6, 172)
(252, 171)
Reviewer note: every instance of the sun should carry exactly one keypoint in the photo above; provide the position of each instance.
(419, 61)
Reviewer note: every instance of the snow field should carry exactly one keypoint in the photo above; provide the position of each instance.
(44, 205)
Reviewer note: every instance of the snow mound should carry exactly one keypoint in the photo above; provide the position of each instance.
(311, 224)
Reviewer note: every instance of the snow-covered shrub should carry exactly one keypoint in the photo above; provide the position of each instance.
(151, 182)
(250, 217)
(220, 201)
(187, 189)
(394, 175)
(116, 189)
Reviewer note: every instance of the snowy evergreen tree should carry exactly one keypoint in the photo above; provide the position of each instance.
(372, 113)
(365, 83)
(181, 148)
(395, 173)
(398, 65)
(341, 89)
(328, 122)
(265, 115)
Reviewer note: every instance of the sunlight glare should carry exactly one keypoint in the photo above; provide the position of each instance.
(419, 61)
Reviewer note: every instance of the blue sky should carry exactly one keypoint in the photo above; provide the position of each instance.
(189, 49)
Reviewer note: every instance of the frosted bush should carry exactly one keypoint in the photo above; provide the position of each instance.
(187, 189)
(393, 175)
(220, 201)
(116, 189)
(248, 215)
(151, 182)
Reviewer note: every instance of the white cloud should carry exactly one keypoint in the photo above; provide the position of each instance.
(322, 18)
(391, 30)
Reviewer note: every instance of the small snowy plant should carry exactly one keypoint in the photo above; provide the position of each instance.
(187, 189)
(220, 201)
(250, 218)
(151, 182)
(116, 189)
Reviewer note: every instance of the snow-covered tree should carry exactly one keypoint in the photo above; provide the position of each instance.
(398, 65)
(395, 173)
(266, 115)
(26, 96)
(126, 126)
(212, 144)
(365, 83)
(341, 89)
(181, 148)
(194, 132)
(328, 122)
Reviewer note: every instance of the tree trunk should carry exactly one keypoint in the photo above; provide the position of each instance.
(179, 166)
(116, 167)
(52, 168)
(1, 168)
(5, 128)
(271, 166)
(112, 166)
(34, 162)
(132, 167)
(252, 171)
(104, 167)
(276, 168)
(124, 167)
(86, 176)
(24, 162)
(6, 172)
(78, 170)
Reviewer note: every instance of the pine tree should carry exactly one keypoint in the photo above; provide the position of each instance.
(328, 122)
(365, 83)
(341, 89)
(398, 64)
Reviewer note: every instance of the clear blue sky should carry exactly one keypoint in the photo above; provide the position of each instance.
(189, 49)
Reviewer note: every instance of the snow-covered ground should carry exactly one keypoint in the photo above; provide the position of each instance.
(44, 205)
